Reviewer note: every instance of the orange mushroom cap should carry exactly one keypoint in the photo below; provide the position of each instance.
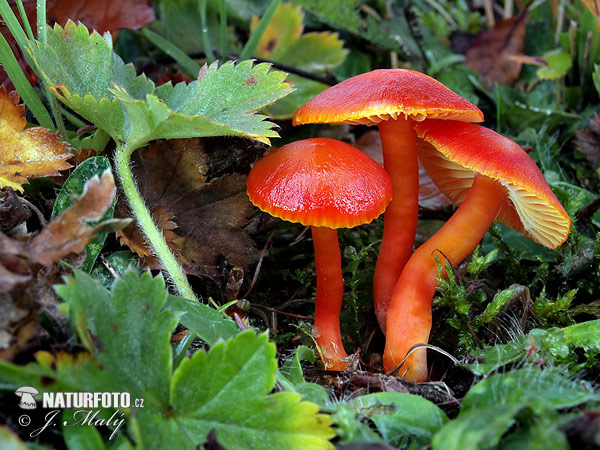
(320, 182)
(452, 152)
(385, 94)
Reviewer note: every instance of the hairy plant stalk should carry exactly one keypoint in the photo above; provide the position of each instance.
(145, 221)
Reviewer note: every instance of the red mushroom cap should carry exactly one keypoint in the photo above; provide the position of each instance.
(320, 182)
(452, 152)
(385, 94)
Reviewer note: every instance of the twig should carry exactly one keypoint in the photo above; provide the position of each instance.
(259, 265)
(277, 311)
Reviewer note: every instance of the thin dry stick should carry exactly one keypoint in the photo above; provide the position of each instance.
(278, 311)
(488, 6)
(414, 348)
(508, 9)
(259, 265)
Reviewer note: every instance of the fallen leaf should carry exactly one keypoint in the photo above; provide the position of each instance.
(587, 141)
(108, 15)
(69, 232)
(430, 196)
(196, 192)
(26, 153)
(491, 54)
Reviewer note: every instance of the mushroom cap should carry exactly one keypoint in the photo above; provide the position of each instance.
(452, 152)
(385, 94)
(320, 182)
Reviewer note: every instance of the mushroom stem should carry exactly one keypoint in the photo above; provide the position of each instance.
(398, 140)
(409, 312)
(330, 292)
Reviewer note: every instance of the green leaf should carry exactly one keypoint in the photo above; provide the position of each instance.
(80, 437)
(202, 401)
(558, 64)
(9, 440)
(205, 322)
(540, 390)
(540, 436)
(118, 262)
(402, 419)
(292, 368)
(558, 343)
(127, 330)
(83, 72)
(477, 429)
(74, 185)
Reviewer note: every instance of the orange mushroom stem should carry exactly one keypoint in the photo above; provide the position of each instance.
(330, 293)
(398, 141)
(491, 178)
(409, 314)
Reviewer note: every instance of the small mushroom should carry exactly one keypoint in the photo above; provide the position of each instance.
(27, 394)
(325, 184)
(394, 99)
(491, 178)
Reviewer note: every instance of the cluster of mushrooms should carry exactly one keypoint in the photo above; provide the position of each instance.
(328, 184)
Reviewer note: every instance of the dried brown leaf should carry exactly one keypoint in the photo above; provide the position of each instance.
(69, 232)
(491, 55)
(587, 141)
(196, 191)
(106, 15)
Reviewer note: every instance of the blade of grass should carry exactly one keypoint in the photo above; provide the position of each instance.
(13, 25)
(223, 26)
(41, 21)
(24, 19)
(18, 78)
(210, 56)
(187, 64)
(257, 34)
(42, 28)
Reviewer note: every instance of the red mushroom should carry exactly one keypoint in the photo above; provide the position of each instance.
(491, 178)
(394, 99)
(326, 184)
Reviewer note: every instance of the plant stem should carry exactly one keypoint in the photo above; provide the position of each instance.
(145, 221)
(223, 29)
(210, 56)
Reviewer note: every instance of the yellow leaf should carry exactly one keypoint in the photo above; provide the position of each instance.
(285, 28)
(26, 153)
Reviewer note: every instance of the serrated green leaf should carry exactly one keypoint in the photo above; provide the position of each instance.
(205, 322)
(127, 330)
(74, 185)
(402, 419)
(83, 72)
(202, 401)
(541, 390)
